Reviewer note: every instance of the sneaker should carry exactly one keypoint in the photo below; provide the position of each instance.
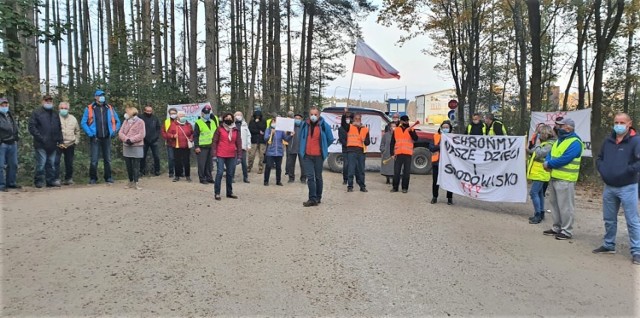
(176, 179)
(109, 181)
(129, 185)
(603, 250)
(232, 196)
(93, 181)
(636, 259)
(15, 186)
(217, 197)
(405, 190)
(39, 185)
(188, 179)
(364, 189)
(344, 182)
(246, 180)
(394, 190)
(562, 237)
(211, 181)
(535, 220)
(349, 189)
(68, 182)
(157, 173)
(171, 175)
(279, 184)
(203, 182)
(291, 181)
(550, 233)
(266, 183)
(136, 186)
(54, 184)
(532, 217)
(434, 200)
(319, 201)
(309, 203)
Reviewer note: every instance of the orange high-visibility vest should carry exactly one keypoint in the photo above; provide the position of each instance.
(435, 157)
(404, 144)
(113, 116)
(355, 138)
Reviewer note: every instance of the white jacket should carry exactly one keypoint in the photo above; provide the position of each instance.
(70, 130)
(245, 135)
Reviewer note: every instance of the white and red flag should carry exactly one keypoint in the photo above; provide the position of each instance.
(368, 62)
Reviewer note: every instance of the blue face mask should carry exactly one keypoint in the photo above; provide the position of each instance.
(207, 116)
(64, 112)
(314, 118)
(101, 99)
(620, 129)
(48, 106)
(298, 122)
(4, 109)
(445, 130)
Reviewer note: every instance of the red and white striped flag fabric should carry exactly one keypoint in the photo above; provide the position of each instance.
(368, 62)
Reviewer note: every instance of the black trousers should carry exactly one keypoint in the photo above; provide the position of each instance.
(271, 160)
(182, 162)
(68, 162)
(435, 188)
(133, 168)
(402, 166)
(291, 167)
(205, 164)
(345, 166)
(156, 158)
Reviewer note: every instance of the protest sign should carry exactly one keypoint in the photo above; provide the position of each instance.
(373, 122)
(285, 124)
(192, 111)
(582, 118)
(486, 168)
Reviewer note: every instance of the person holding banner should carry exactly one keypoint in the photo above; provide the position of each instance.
(564, 163)
(205, 127)
(402, 150)
(315, 138)
(494, 127)
(275, 151)
(357, 142)
(181, 133)
(434, 147)
(387, 164)
(257, 128)
(619, 165)
(173, 117)
(536, 172)
(476, 127)
(227, 151)
(245, 134)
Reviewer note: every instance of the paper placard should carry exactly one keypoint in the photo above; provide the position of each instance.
(285, 124)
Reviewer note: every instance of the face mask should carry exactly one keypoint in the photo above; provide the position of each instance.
(348, 121)
(148, 114)
(273, 125)
(126, 116)
(183, 120)
(173, 116)
(64, 112)
(562, 132)
(405, 124)
(313, 118)
(238, 118)
(4, 109)
(475, 122)
(620, 129)
(298, 122)
(207, 116)
(101, 99)
(228, 122)
(48, 106)
(445, 130)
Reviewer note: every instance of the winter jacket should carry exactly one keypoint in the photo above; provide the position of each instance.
(255, 128)
(165, 130)
(574, 151)
(70, 130)
(542, 151)
(45, 127)
(275, 148)
(245, 134)
(183, 133)
(133, 129)
(103, 121)
(326, 137)
(152, 128)
(476, 129)
(8, 128)
(294, 144)
(619, 163)
(224, 147)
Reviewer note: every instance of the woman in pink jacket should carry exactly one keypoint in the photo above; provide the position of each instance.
(132, 135)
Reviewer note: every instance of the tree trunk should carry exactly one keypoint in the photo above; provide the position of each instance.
(277, 57)
(210, 53)
(631, 25)
(58, 43)
(520, 54)
(536, 55)
(289, 57)
(254, 61)
(301, 62)
(165, 37)
(239, 55)
(193, 52)
(145, 45)
(70, 50)
(173, 44)
(234, 58)
(46, 47)
(307, 80)
(157, 46)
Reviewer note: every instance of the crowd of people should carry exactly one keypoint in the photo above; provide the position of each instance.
(553, 166)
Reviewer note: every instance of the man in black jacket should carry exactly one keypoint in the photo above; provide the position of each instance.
(342, 138)
(257, 127)
(8, 148)
(152, 128)
(45, 127)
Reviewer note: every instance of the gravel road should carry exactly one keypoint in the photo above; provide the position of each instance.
(171, 250)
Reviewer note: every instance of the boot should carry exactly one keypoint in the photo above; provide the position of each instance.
(129, 185)
(542, 215)
(135, 186)
(434, 200)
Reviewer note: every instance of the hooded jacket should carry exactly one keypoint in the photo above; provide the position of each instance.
(619, 163)
(326, 137)
(256, 127)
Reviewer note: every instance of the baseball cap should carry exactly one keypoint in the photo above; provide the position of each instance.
(206, 109)
(3, 100)
(99, 93)
(565, 121)
(404, 118)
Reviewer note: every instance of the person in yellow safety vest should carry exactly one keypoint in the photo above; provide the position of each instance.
(445, 128)
(205, 127)
(494, 127)
(357, 142)
(536, 172)
(172, 116)
(476, 127)
(402, 150)
(564, 164)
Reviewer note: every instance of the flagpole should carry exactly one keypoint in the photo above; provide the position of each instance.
(350, 85)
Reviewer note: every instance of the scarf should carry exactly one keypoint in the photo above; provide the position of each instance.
(228, 128)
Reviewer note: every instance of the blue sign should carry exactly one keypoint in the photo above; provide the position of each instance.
(452, 115)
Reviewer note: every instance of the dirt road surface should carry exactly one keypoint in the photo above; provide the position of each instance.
(171, 250)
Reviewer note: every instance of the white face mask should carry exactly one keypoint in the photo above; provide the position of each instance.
(126, 116)
(238, 118)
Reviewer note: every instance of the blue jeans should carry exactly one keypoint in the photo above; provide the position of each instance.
(313, 169)
(356, 168)
(612, 198)
(537, 196)
(97, 145)
(8, 157)
(230, 164)
(171, 160)
(45, 167)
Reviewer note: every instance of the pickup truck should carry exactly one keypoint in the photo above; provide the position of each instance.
(377, 122)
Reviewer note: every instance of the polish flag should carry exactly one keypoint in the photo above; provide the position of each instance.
(368, 62)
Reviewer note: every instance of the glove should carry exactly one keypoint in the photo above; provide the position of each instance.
(129, 142)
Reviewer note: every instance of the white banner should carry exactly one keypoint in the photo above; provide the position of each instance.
(192, 111)
(373, 122)
(486, 168)
(581, 117)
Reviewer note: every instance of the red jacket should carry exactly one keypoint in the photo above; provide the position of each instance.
(223, 147)
(183, 132)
